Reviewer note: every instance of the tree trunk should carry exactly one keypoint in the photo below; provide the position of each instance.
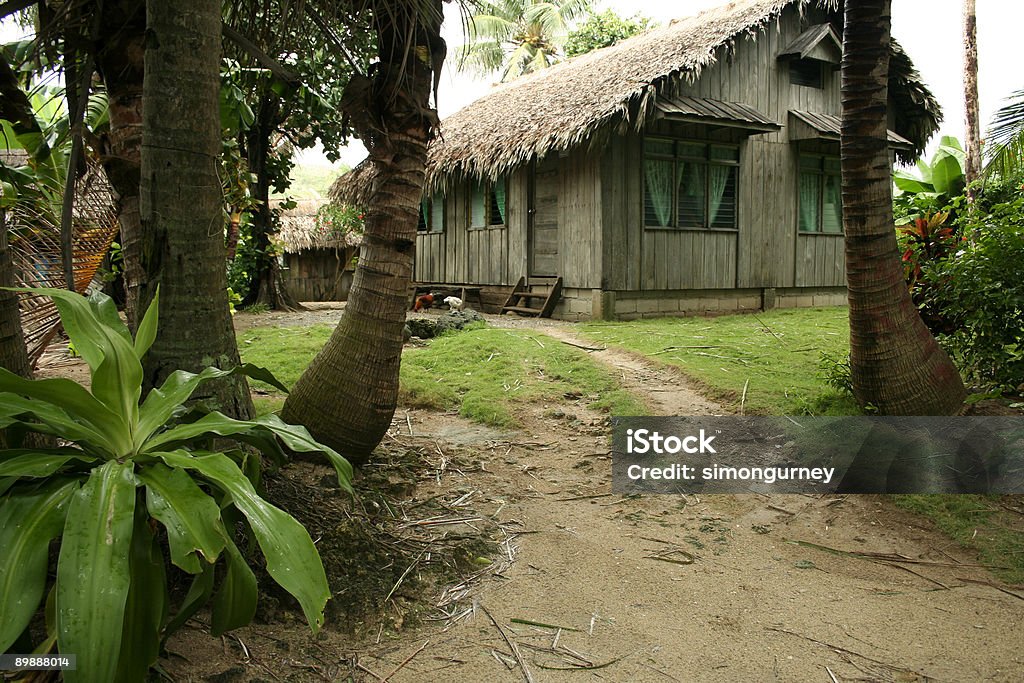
(348, 394)
(181, 202)
(13, 355)
(896, 364)
(266, 286)
(972, 146)
(120, 61)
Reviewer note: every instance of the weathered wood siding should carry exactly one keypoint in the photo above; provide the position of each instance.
(767, 250)
(579, 219)
(318, 274)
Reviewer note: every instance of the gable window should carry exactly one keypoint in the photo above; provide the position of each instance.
(487, 206)
(806, 72)
(432, 214)
(690, 184)
(821, 198)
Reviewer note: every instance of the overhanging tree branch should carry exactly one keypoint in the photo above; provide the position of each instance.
(265, 60)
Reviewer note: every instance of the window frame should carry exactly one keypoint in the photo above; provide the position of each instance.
(426, 224)
(706, 162)
(821, 172)
(490, 200)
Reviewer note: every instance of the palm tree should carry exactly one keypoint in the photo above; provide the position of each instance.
(181, 204)
(1005, 148)
(972, 139)
(517, 37)
(897, 366)
(348, 394)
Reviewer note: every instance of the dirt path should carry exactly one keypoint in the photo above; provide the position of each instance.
(713, 589)
(669, 588)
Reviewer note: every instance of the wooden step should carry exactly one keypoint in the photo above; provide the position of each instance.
(525, 310)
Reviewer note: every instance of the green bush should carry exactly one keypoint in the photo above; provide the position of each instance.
(980, 291)
(131, 477)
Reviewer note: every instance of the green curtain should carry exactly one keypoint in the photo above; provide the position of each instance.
(658, 174)
(477, 214)
(717, 181)
(810, 191)
(499, 200)
(832, 218)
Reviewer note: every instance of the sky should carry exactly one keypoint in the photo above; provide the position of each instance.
(929, 30)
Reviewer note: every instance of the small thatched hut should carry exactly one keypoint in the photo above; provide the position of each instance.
(318, 260)
(693, 168)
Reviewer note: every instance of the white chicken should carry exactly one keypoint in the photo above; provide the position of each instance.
(454, 303)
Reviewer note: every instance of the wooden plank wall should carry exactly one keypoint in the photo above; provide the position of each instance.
(579, 219)
(767, 250)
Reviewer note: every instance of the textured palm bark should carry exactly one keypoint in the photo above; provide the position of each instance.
(972, 144)
(348, 394)
(182, 238)
(13, 355)
(896, 364)
(120, 60)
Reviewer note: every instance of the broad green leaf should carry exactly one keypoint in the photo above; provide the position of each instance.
(117, 371)
(909, 183)
(146, 606)
(294, 437)
(28, 522)
(93, 572)
(234, 605)
(146, 334)
(37, 463)
(105, 310)
(51, 420)
(191, 517)
(292, 559)
(161, 404)
(947, 171)
(77, 404)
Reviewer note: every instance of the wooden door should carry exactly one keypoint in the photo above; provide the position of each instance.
(543, 236)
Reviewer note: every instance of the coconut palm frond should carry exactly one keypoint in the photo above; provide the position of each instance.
(1004, 150)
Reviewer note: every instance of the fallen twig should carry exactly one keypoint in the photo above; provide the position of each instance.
(585, 348)
(990, 585)
(527, 676)
(406, 661)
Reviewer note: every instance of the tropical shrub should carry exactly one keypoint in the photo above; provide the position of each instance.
(129, 478)
(979, 290)
(936, 183)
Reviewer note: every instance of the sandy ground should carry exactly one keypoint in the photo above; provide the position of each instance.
(658, 588)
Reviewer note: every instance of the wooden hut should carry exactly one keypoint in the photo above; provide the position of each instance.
(318, 261)
(690, 169)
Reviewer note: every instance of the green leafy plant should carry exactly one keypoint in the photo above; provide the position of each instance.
(979, 290)
(943, 178)
(129, 476)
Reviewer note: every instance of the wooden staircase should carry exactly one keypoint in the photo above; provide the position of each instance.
(530, 290)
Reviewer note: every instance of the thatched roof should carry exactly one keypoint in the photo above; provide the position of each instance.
(562, 107)
(617, 88)
(299, 229)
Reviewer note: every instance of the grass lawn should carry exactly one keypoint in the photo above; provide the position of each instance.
(485, 374)
(776, 355)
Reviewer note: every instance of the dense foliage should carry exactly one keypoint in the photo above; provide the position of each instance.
(139, 482)
(979, 291)
(603, 30)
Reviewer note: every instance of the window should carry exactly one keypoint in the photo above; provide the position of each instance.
(487, 204)
(690, 184)
(821, 197)
(806, 72)
(432, 214)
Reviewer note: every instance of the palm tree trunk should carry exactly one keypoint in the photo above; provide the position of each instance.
(348, 394)
(13, 355)
(120, 61)
(181, 208)
(972, 145)
(896, 364)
